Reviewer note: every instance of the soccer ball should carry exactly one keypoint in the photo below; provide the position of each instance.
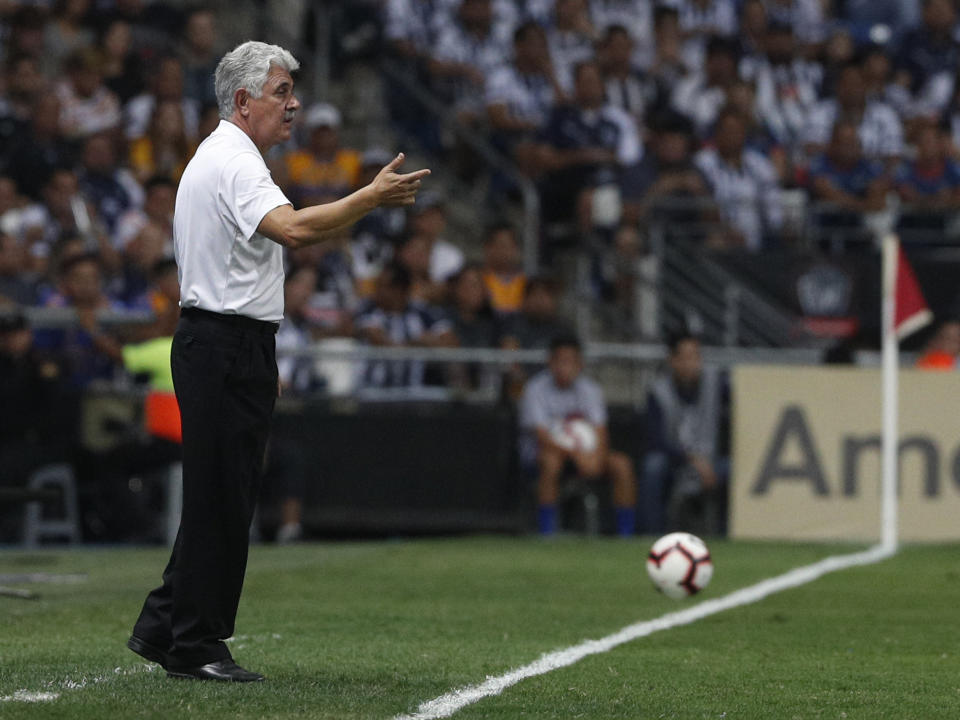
(679, 565)
(575, 434)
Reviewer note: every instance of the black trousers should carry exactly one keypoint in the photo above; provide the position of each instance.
(225, 377)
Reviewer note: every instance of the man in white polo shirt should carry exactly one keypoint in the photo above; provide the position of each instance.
(229, 225)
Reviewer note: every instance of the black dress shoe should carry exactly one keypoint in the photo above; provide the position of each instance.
(223, 670)
(148, 651)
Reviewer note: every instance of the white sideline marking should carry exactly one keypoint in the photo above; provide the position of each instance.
(30, 697)
(447, 705)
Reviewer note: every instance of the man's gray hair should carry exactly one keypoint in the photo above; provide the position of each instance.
(247, 66)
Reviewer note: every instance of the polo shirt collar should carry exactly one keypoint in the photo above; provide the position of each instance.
(230, 129)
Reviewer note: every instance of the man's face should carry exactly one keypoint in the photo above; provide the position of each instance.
(686, 363)
(389, 295)
(672, 148)
(324, 140)
(201, 32)
(270, 116)
(949, 338)
(565, 365)
(25, 80)
(160, 202)
(430, 222)
(82, 284)
(540, 303)
(170, 80)
(938, 15)
(619, 49)
(731, 135)
(850, 91)
(588, 86)
(98, 155)
(502, 251)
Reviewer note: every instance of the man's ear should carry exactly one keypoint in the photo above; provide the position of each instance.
(241, 101)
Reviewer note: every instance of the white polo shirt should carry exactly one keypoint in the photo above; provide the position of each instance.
(224, 264)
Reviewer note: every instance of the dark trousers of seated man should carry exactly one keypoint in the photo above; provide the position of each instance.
(225, 377)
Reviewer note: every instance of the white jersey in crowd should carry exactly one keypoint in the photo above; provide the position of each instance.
(225, 265)
(544, 404)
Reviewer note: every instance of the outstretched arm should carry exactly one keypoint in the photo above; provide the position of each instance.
(314, 224)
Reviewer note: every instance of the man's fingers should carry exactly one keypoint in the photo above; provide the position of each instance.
(417, 175)
(395, 163)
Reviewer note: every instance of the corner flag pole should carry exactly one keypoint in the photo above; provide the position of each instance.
(904, 311)
(890, 355)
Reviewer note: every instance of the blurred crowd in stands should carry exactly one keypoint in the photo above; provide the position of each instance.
(622, 111)
(725, 115)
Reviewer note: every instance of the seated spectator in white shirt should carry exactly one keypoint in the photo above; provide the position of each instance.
(389, 319)
(701, 94)
(521, 94)
(87, 107)
(743, 183)
(879, 128)
(166, 84)
(559, 394)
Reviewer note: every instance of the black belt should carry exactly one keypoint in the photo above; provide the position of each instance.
(241, 322)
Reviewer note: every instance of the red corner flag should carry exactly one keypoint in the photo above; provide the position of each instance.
(910, 309)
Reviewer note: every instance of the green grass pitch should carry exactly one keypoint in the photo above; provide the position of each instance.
(370, 630)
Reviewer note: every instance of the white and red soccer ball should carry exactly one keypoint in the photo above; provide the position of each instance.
(575, 434)
(679, 565)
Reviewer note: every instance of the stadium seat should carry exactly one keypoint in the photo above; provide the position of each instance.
(37, 525)
(574, 490)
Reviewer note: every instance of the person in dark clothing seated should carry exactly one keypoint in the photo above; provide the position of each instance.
(683, 483)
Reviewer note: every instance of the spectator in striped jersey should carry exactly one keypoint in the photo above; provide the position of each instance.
(787, 85)
(521, 94)
(743, 183)
(570, 39)
(391, 320)
(879, 128)
(701, 94)
(624, 86)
